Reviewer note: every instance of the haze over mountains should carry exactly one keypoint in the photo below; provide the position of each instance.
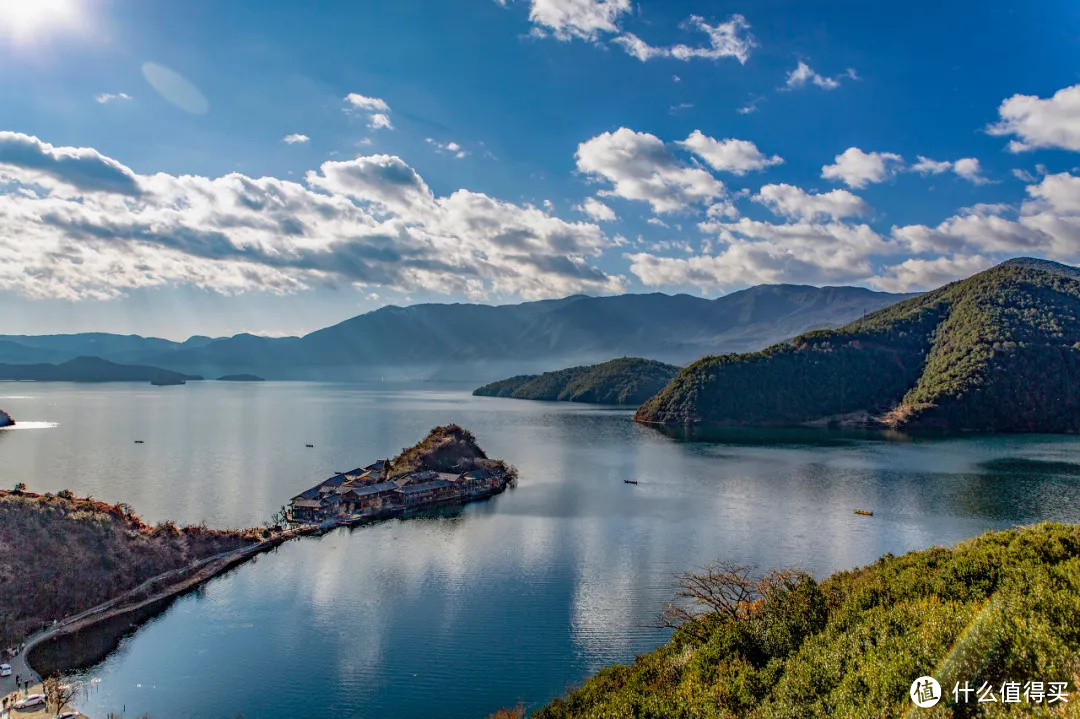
(483, 342)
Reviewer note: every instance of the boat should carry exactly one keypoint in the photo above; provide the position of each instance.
(139, 441)
(630, 481)
(309, 445)
(864, 512)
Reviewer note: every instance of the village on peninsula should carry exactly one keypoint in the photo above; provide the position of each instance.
(446, 468)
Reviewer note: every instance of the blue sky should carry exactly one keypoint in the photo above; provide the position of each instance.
(207, 167)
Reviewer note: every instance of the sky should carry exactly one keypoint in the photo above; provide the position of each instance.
(210, 168)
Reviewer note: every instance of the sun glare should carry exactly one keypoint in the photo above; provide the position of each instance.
(25, 20)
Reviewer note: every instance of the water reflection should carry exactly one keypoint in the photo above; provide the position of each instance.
(514, 598)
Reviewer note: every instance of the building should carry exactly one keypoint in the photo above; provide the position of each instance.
(478, 482)
(438, 491)
(306, 506)
(370, 498)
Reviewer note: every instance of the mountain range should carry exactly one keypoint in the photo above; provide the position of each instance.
(484, 342)
(998, 351)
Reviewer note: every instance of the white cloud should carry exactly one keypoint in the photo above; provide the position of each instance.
(295, 138)
(1048, 225)
(376, 109)
(640, 167)
(450, 147)
(760, 252)
(28, 160)
(76, 224)
(730, 155)
(726, 39)
(583, 19)
(857, 169)
(1053, 122)
(968, 168)
(751, 106)
(803, 74)
(107, 97)
(380, 121)
(368, 104)
(794, 202)
(596, 210)
(917, 274)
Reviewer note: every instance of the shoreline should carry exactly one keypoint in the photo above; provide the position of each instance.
(165, 586)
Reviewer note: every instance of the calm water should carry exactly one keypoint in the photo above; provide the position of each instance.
(512, 599)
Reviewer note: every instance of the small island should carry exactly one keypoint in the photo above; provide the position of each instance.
(6, 419)
(626, 381)
(240, 378)
(445, 468)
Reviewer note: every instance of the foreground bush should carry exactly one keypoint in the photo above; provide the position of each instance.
(1002, 607)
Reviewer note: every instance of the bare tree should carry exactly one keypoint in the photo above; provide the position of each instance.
(726, 589)
(57, 694)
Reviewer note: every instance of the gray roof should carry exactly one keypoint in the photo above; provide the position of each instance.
(425, 486)
(312, 493)
(373, 489)
(336, 481)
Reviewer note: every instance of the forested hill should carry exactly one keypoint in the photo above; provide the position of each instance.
(999, 351)
(627, 380)
(995, 609)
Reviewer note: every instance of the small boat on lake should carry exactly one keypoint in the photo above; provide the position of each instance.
(139, 441)
(309, 445)
(630, 481)
(864, 512)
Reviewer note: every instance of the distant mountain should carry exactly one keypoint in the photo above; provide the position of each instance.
(23, 349)
(999, 351)
(628, 380)
(91, 369)
(476, 342)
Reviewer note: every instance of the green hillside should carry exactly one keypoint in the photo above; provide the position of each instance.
(627, 380)
(998, 608)
(999, 351)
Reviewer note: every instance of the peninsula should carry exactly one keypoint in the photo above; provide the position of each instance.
(6, 419)
(996, 352)
(627, 380)
(61, 555)
(445, 468)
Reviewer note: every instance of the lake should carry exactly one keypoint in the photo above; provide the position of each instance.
(516, 598)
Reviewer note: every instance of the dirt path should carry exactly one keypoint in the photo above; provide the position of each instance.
(155, 589)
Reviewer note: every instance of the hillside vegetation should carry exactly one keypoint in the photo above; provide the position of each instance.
(999, 351)
(60, 555)
(1000, 607)
(449, 448)
(628, 380)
